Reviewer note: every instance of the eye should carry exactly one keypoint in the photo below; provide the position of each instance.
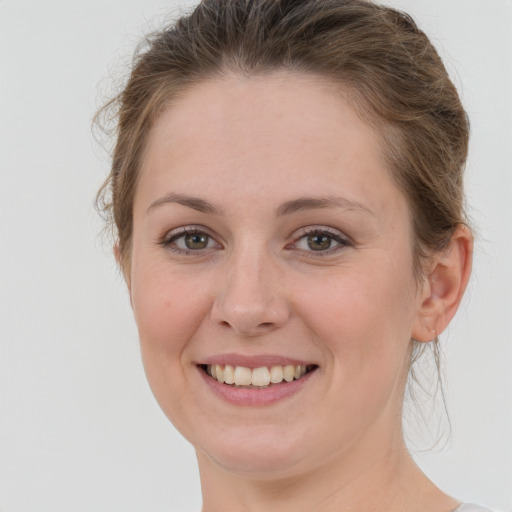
(189, 239)
(319, 240)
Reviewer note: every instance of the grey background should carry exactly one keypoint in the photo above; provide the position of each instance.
(79, 429)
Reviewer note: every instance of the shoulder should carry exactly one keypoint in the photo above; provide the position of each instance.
(469, 507)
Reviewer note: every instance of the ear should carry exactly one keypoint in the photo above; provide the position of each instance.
(117, 253)
(444, 286)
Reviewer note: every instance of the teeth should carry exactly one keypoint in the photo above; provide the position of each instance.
(300, 370)
(243, 376)
(288, 373)
(259, 377)
(229, 374)
(219, 372)
(276, 374)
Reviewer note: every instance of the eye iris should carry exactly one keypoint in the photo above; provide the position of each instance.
(196, 241)
(319, 242)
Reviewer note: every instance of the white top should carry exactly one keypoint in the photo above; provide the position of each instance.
(469, 507)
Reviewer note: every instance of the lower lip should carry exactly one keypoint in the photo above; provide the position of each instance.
(255, 397)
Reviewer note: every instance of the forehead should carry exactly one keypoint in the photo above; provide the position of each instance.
(275, 135)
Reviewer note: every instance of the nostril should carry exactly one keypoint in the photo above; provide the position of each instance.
(263, 326)
(251, 316)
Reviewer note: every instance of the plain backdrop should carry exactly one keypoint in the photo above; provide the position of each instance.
(79, 428)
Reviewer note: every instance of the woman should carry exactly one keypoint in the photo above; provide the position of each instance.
(286, 189)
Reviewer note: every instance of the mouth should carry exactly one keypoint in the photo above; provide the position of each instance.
(263, 377)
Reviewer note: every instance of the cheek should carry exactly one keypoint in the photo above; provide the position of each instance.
(363, 317)
(362, 321)
(168, 308)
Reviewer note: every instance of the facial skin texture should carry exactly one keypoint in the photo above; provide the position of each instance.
(248, 146)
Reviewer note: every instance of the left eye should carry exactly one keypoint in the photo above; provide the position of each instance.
(319, 241)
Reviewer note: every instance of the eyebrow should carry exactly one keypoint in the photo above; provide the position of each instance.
(195, 203)
(287, 208)
(316, 203)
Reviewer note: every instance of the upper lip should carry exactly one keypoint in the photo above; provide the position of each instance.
(256, 361)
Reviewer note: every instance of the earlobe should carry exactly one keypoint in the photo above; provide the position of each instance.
(117, 253)
(444, 286)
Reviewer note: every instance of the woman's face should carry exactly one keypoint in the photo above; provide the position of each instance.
(268, 233)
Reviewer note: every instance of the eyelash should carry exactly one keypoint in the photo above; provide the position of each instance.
(169, 240)
(342, 242)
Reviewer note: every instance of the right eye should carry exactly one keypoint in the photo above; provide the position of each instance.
(189, 240)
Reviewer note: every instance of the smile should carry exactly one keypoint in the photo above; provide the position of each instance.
(262, 377)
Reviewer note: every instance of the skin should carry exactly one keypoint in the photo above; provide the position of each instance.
(248, 146)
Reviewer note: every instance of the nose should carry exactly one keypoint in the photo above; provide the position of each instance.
(251, 298)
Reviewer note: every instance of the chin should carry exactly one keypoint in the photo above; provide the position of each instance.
(264, 466)
(259, 453)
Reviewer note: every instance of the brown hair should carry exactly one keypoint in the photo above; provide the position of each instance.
(377, 55)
